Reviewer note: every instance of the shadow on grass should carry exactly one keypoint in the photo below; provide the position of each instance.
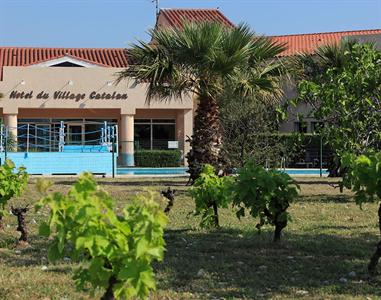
(349, 227)
(326, 199)
(317, 182)
(229, 263)
(32, 255)
(129, 183)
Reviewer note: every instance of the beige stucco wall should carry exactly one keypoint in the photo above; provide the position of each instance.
(83, 81)
(290, 92)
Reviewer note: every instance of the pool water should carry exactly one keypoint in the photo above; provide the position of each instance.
(182, 171)
(306, 172)
(152, 171)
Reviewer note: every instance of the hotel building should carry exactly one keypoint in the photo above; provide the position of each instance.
(44, 88)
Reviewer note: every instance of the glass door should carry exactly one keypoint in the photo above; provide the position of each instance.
(75, 134)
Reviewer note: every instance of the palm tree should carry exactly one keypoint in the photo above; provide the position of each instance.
(310, 65)
(202, 60)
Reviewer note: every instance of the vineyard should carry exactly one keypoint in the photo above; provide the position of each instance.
(324, 251)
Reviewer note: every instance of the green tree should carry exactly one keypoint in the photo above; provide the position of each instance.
(210, 192)
(201, 60)
(265, 194)
(364, 178)
(342, 84)
(251, 132)
(245, 122)
(116, 250)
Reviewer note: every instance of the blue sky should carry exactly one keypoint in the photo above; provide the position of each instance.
(117, 23)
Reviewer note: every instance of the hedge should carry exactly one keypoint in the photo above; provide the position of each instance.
(158, 158)
(267, 149)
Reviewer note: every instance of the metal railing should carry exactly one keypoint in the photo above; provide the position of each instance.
(57, 137)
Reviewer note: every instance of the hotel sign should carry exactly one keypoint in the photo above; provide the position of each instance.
(67, 95)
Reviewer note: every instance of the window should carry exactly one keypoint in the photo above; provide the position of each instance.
(301, 127)
(34, 137)
(66, 64)
(67, 61)
(316, 126)
(92, 133)
(143, 136)
(161, 134)
(154, 133)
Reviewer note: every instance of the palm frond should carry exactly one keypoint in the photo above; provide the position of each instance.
(327, 56)
(263, 48)
(201, 58)
(260, 82)
(233, 51)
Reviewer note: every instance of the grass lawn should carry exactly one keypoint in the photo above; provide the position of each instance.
(328, 238)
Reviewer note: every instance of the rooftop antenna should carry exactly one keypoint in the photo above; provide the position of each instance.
(157, 4)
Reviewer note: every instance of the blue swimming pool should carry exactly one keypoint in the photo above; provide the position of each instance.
(306, 172)
(182, 171)
(152, 171)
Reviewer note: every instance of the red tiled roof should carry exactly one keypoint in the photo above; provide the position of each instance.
(25, 56)
(307, 43)
(118, 58)
(296, 43)
(176, 17)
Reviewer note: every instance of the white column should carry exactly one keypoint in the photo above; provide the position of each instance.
(10, 121)
(126, 129)
(184, 128)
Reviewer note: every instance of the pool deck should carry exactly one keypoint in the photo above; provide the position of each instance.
(181, 172)
(160, 176)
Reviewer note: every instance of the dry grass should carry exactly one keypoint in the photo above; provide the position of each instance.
(328, 238)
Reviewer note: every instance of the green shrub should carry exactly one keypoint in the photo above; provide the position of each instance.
(265, 194)
(12, 183)
(363, 177)
(158, 158)
(210, 192)
(116, 250)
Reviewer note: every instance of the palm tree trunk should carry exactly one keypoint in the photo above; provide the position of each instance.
(206, 140)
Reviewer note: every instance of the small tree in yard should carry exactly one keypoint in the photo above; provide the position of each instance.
(20, 213)
(246, 121)
(364, 178)
(266, 194)
(342, 84)
(116, 250)
(12, 183)
(210, 192)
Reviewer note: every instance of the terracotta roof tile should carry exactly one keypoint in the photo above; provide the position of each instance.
(296, 43)
(25, 56)
(307, 43)
(118, 57)
(176, 17)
